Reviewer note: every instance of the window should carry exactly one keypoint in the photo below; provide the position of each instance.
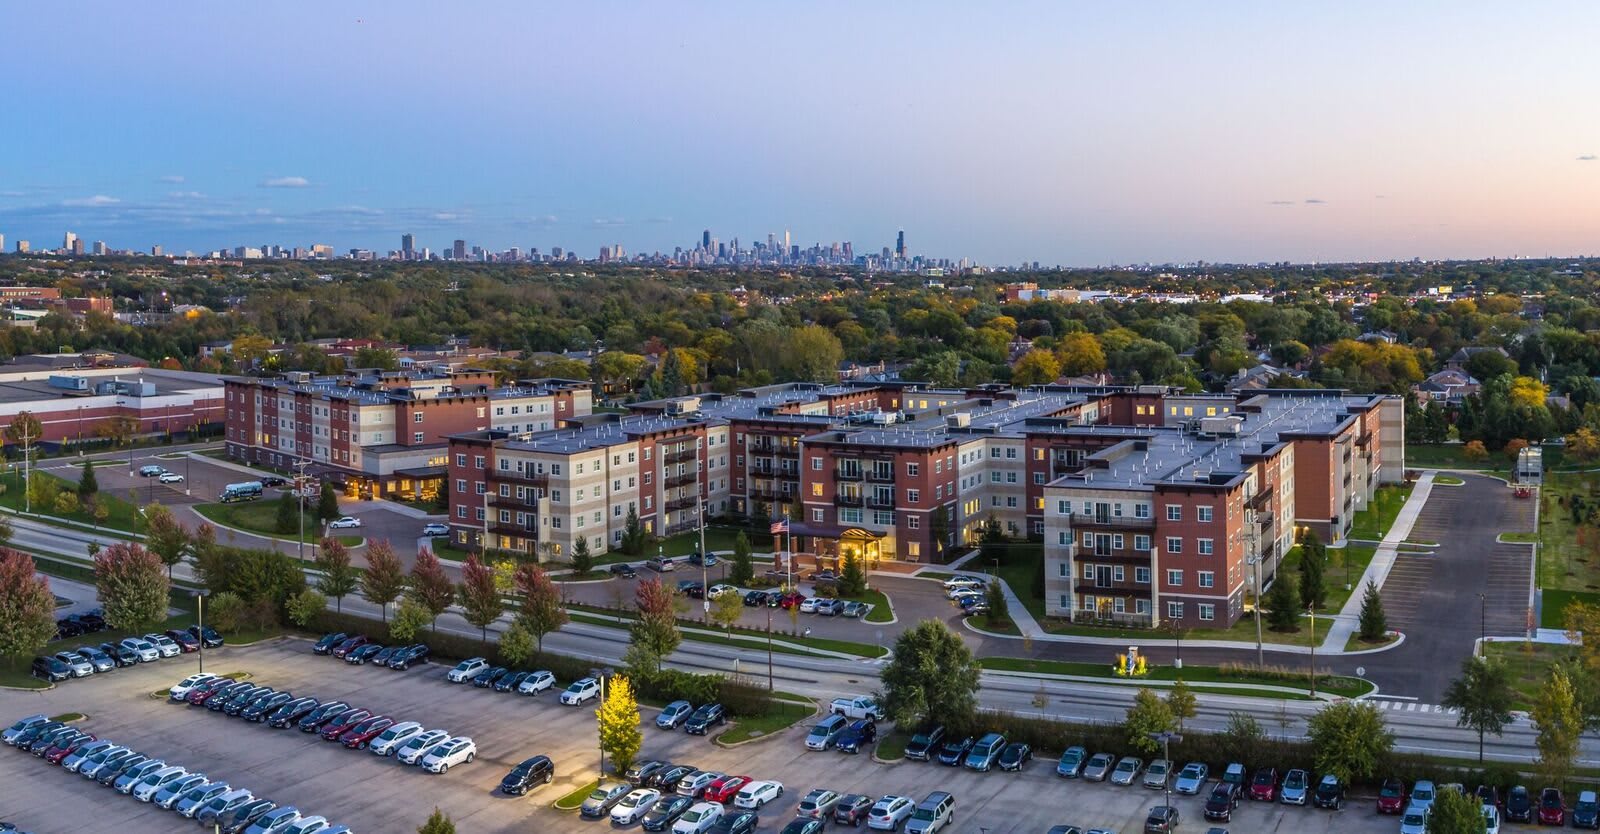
(1088, 540)
(1011, 501)
(882, 517)
(1207, 579)
(477, 461)
(479, 513)
(1118, 574)
(912, 470)
(1175, 579)
(913, 522)
(914, 550)
(1205, 547)
(994, 477)
(1063, 600)
(1142, 606)
(1116, 542)
(461, 460)
(1038, 478)
(1061, 538)
(816, 490)
(817, 516)
(1061, 570)
(1174, 512)
(850, 515)
(1203, 514)
(1207, 612)
(1174, 544)
(461, 485)
(1141, 576)
(478, 487)
(1088, 571)
(913, 496)
(1011, 453)
(417, 417)
(816, 464)
(416, 437)
(1141, 511)
(1063, 508)
(461, 511)
(1011, 477)
(1174, 610)
(1141, 543)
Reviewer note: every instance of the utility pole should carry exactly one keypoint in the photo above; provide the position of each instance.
(27, 469)
(1313, 609)
(770, 686)
(700, 514)
(1166, 737)
(299, 489)
(1253, 541)
(200, 600)
(1483, 625)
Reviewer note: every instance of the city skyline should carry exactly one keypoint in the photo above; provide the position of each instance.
(1064, 134)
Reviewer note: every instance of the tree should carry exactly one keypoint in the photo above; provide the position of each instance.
(88, 487)
(118, 428)
(1474, 451)
(164, 535)
(27, 607)
(939, 530)
(999, 609)
(726, 610)
(516, 644)
(1241, 740)
(812, 354)
(480, 599)
(224, 611)
(582, 559)
(288, 520)
(410, 618)
(1514, 447)
(1456, 813)
(1350, 739)
(384, 579)
(430, 586)
(1374, 623)
(1036, 367)
(1283, 612)
(1557, 723)
(24, 432)
(932, 677)
(1583, 444)
(541, 612)
(305, 606)
(327, 503)
(655, 634)
(742, 570)
(1182, 703)
(132, 587)
(852, 578)
(66, 503)
(438, 823)
(1482, 696)
(633, 534)
(619, 724)
(1313, 558)
(1080, 354)
(1148, 715)
(7, 531)
(338, 577)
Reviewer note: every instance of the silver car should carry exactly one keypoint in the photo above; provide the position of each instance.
(1191, 779)
(1296, 787)
(1099, 767)
(1157, 774)
(599, 803)
(196, 798)
(1128, 768)
(80, 665)
(173, 791)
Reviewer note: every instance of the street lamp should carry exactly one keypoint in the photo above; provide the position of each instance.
(1255, 585)
(1313, 609)
(200, 595)
(1483, 625)
(600, 674)
(1167, 737)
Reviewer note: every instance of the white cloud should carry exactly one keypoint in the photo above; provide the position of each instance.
(186, 195)
(546, 220)
(286, 182)
(610, 221)
(175, 179)
(1588, 157)
(96, 201)
(445, 216)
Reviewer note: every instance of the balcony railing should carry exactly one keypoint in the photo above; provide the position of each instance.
(769, 494)
(678, 457)
(845, 499)
(511, 502)
(678, 479)
(513, 476)
(844, 474)
(683, 503)
(881, 502)
(883, 477)
(1111, 619)
(1110, 521)
(507, 528)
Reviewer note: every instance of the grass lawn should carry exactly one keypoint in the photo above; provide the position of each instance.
(571, 801)
(1563, 564)
(1356, 644)
(892, 745)
(740, 639)
(1449, 456)
(1530, 664)
(1374, 522)
(261, 517)
(1347, 687)
(783, 716)
(1345, 566)
(1447, 480)
(120, 517)
(880, 613)
(1553, 609)
(1520, 538)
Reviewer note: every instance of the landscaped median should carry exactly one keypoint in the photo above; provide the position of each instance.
(788, 713)
(261, 518)
(739, 639)
(1240, 680)
(573, 800)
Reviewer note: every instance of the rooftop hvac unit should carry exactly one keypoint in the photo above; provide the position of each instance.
(683, 405)
(958, 421)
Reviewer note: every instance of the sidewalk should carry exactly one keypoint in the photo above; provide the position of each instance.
(1348, 618)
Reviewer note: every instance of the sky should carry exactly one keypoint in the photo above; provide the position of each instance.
(1072, 133)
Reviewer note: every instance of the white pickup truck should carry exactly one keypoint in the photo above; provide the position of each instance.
(859, 706)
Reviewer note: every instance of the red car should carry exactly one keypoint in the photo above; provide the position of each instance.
(344, 723)
(1552, 807)
(64, 749)
(185, 640)
(1392, 797)
(1264, 787)
(723, 790)
(357, 737)
(202, 693)
(355, 642)
(790, 599)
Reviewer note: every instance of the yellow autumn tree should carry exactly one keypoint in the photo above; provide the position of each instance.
(619, 724)
(1527, 392)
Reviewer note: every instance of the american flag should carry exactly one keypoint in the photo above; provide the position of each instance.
(781, 526)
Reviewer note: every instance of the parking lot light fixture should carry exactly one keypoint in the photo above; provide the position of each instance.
(1167, 737)
(200, 595)
(600, 674)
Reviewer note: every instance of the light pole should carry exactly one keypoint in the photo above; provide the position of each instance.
(1255, 584)
(600, 675)
(700, 515)
(200, 601)
(1167, 737)
(1313, 609)
(770, 685)
(299, 486)
(1483, 625)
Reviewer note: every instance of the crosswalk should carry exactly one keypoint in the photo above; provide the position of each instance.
(1411, 706)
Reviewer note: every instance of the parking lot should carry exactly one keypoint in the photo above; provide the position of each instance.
(373, 794)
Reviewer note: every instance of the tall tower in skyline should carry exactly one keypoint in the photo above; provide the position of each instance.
(68, 240)
(459, 251)
(900, 245)
(408, 245)
(705, 240)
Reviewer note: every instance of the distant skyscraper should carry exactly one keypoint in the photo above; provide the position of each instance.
(77, 246)
(408, 244)
(99, 247)
(900, 244)
(22, 247)
(2, 243)
(156, 251)
(785, 240)
(459, 251)
(69, 240)
(705, 240)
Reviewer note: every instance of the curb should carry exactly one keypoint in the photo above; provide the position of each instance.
(268, 536)
(717, 739)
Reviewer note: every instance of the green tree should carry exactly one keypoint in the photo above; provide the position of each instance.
(88, 486)
(27, 607)
(1557, 723)
(305, 606)
(223, 611)
(655, 634)
(999, 609)
(1182, 702)
(516, 644)
(1283, 612)
(288, 521)
(410, 618)
(618, 718)
(582, 559)
(726, 610)
(385, 579)
(1483, 697)
(852, 578)
(481, 602)
(1454, 812)
(165, 536)
(327, 503)
(541, 612)
(133, 589)
(338, 577)
(430, 586)
(1148, 715)
(932, 677)
(633, 534)
(1313, 559)
(1036, 367)
(7, 531)
(742, 570)
(939, 531)
(1374, 623)
(812, 354)
(438, 823)
(1350, 739)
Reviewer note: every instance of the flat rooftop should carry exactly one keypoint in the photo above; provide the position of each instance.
(34, 385)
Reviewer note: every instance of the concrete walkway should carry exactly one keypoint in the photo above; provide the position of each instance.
(1348, 619)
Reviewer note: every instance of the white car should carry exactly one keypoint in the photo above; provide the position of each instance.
(181, 689)
(344, 523)
(167, 646)
(74, 761)
(718, 590)
(143, 649)
(145, 789)
(391, 739)
(221, 804)
(635, 805)
(466, 669)
(888, 813)
(80, 665)
(171, 478)
(459, 750)
(535, 683)
(307, 825)
(173, 791)
(196, 798)
(435, 529)
(757, 794)
(580, 691)
(412, 751)
(810, 605)
(1491, 820)
(1415, 820)
(698, 819)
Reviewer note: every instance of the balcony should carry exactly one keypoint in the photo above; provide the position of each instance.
(507, 528)
(514, 477)
(768, 446)
(1061, 466)
(1259, 500)
(844, 474)
(883, 476)
(881, 502)
(681, 527)
(1124, 522)
(763, 466)
(845, 499)
(511, 502)
(674, 480)
(679, 457)
(759, 493)
(1111, 619)
(684, 503)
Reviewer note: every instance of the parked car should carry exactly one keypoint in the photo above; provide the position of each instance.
(1070, 765)
(818, 804)
(146, 788)
(361, 735)
(662, 564)
(800, 825)
(123, 655)
(725, 789)
(143, 649)
(1296, 787)
(1414, 820)
(50, 669)
(292, 712)
(720, 590)
(758, 793)
(1127, 770)
(348, 522)
(1162, 819)
(1491, 820)
(408, 657)
(1330, 793)
(633, 806)
(536, 682)
(459, 750)
(889, 812)
(1519, 804)
(98, 659)
(924, 744)
(341, 724)
(580, 691)
(704, 717)
(435, 528)
(674, 714)
(275, 821)
(1223, 799)
(1264, 785)
(857, 735)
(1488, 795)
(487, 678)
(170, 478)
(23, 725)
(1099, 767)
(211, 812)
(624, 570)
(510, 682)
(954, 751)
(985, 751)
(857, 706)
(1552, 807)
(466, 669)
(1014, 756)
(755, 598)
(736, 822)
(1422, 793)
(698, 819)
(181, 689)
(695, 783)
(412, 751)
(1191, 779)
(77, 757)
(1585, 813)
(932, 814)
(245, 815)
(1392, 796)
(852, 809)
(165, 645)
(350, 644)
(667, 778)
(393, 737)
(314, 720)
(328, 641)
(665, 812)
(169, 795)
(639, 774)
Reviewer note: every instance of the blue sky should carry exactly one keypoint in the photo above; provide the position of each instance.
(1074, 133)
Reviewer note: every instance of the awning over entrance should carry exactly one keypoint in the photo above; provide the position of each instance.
(831, 541)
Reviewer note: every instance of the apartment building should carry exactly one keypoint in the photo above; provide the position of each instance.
(384, 433)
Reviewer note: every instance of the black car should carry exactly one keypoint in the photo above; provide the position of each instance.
(245, 815)
(692, 589)
(313, 721)
(261, 710)
(222, 700)
(238, 705)
(363, 653)
(1329, 793)
(859, 734)
(1586, 812)
(508, 683)
(852, 809)
(326, 644)
(271, 481)
(704, 717)
(755, 598)
(487, 677)
(535, 771)
(1162, 819)
(50, 669)
(108, 775)
(1015, 755)
(207, 636)
(803, 825)
(385, 655)
(27, 737)
(624, 570)
(738, 822)
(667, 778)
(665, 812)
(123, 655)
(955, 751)
(641, 773)
(924, 745)
(67, 628)
(292, 712)
(404, 660)
(1519, 804)
(1223, 800)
